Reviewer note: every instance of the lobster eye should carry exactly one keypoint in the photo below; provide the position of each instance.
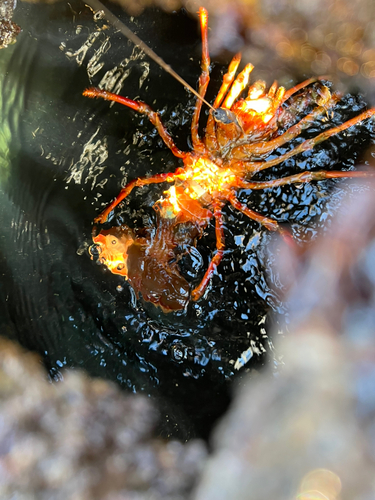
(225, 116)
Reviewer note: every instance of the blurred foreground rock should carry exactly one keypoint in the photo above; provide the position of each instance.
(290, 40)
(310, 430)
(8, 29)
(83, 439)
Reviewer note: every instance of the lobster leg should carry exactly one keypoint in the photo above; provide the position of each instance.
(140, 182)
(258, 149)
(270, 224)
(141, 107)
(228, 79)
(203, 81)
(302, 85)
(311, 143)
(305, 177)
(238, 86)
(272, 90)
(197, 293)
(210, 138)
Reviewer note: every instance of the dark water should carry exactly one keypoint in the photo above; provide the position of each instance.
(64, 157)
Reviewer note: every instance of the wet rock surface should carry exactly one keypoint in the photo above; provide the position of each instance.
(83, 439)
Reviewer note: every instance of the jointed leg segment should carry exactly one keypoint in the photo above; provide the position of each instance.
(203, 82)
(140, 182)
(302, 85)
(238, 86)
(143, 108)
(258, 149)
(270, 224)
(197, 293)
(228, 79)
(306, 176)
(251, 167)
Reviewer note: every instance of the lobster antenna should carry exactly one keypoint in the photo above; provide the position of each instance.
(96, 5)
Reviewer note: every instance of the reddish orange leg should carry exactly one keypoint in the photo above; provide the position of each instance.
(228, 79)
(311, 143)
(140, 182)
(257, 90)
(203, 81)
(248, 150)
(278, 97)
(272, 90)
(302, 85)
(270, 224)
(243, 167)
(197, 293)
(143, 108)
(210, 138)
(238, 86)
(306, 177)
